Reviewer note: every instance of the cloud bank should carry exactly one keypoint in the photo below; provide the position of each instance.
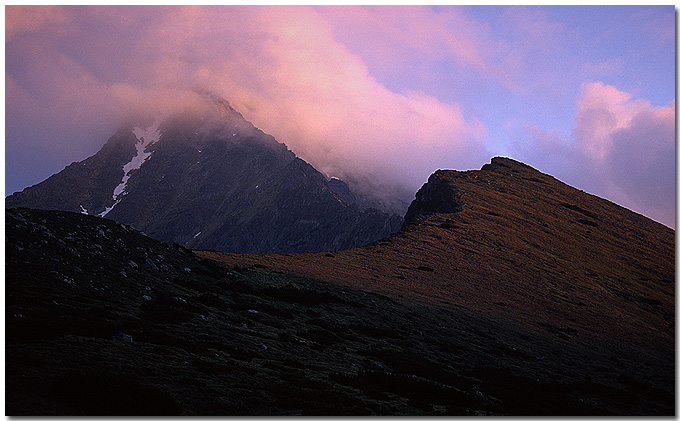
(621, 148)
(279, 66)
(382, 96)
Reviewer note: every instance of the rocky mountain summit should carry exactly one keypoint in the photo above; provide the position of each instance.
(212, 180)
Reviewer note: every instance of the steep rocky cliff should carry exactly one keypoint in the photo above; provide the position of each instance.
(437, 195)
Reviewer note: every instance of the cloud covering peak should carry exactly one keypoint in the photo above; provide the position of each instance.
(385, 94)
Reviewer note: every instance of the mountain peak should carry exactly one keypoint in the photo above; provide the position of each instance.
(505, 162)
(494, 183)
(440, 194)
(205, 177)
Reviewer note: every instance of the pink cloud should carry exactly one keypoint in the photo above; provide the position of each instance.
(603, 110)
(324, 104)
(608, 67)
(20, 19)
(394, 39)
(642, 160)
(621, 148)
(412, 30)
(280, 66)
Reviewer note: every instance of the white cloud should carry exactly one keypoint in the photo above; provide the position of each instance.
(622, 148)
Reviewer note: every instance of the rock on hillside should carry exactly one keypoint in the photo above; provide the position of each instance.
(212, 180)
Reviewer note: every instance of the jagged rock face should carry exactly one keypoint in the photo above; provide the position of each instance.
(441, 195)
(89, 183)
(211, 181)
(437, 195)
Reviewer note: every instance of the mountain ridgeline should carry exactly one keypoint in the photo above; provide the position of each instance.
(506, 292)
(522, 247)
(212, 181)
(510, 241)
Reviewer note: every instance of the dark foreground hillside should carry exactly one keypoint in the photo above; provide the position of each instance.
(102, 320)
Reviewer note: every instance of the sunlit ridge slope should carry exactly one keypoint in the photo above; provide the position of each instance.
(510, 241)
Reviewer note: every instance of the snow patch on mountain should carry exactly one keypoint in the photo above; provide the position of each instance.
(145, 138)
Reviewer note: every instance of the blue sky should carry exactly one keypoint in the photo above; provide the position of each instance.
(386, 93)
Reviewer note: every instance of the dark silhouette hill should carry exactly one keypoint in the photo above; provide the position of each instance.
(506, 292)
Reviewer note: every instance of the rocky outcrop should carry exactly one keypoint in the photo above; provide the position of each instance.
(437, 195)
